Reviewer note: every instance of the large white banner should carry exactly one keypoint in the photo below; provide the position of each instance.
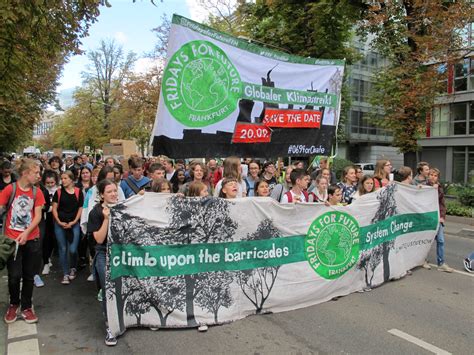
(223, 95)
(181, 262)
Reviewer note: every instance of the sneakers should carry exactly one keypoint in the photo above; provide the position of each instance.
(65, 280)
(110, 340)
(29, 315)
(445, 267)
(426, 265)
(11, 314)
(38, 282)
(99, 296)
(46, 269)
(203, 328)
(72, 274)
(91, 277)
(154, 328)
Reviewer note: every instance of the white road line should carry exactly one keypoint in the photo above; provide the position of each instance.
(30, 347)
(21, 329)
(419, 342)
(456, 271)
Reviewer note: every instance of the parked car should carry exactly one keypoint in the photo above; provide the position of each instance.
(367, 168)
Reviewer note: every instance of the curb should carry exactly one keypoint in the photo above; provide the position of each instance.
(463, 220)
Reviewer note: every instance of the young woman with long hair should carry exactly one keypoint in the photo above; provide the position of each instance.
(67, 209)
(383, 168)
(232, 169)
(252, 177)
(197, 173)
(198, 189)
(98, 226)
(366, 186)
(262, 189)
(229, 188)
(348, 184)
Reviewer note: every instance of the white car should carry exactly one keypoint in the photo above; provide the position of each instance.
(367, 168)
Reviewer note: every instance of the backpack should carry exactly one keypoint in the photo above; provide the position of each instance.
(10, 202)
(289, 196)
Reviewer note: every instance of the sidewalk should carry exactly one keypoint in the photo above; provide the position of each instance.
(460, 226)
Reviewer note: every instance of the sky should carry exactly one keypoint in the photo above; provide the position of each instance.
(129, 24)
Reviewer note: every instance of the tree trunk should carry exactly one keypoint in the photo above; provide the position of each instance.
(386, 265)
(190, 283)
(120, 303)
(409, 159)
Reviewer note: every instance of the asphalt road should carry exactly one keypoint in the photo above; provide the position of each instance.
(433, 307)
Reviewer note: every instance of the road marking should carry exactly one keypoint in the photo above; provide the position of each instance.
(419, 342)
(30, 347)
(456, 271)
(21, 329)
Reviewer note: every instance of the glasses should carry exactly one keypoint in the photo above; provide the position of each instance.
(388, 164)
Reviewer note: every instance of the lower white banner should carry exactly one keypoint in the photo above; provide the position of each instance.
(181, 262)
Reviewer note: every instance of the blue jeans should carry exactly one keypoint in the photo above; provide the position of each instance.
(98, 269)
(64, 242)
(440, 245)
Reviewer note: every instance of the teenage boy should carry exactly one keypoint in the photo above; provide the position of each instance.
(135, 181)
(269, 174)
(156, 172)
(422, 172)
(169, 169)
(404, 175)
(23, 203)
(433, 180)
(299, 184)
(334, 195)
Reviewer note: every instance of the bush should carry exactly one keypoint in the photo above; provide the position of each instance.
(338, 165)
(455, 209)
(466, 195)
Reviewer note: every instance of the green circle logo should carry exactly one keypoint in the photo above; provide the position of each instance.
(200, 84)
(332, 244)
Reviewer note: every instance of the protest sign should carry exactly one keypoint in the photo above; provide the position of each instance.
(181, 262)
(222, 95)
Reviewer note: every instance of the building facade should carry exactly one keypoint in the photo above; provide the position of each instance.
(44, 125)
(449, 141)
(366, 142)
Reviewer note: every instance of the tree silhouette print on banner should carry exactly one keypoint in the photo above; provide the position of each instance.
(127, 291)
(387, 208)
(197, 220)
(166, 295)
(368, 261)
(216, 293)
(257, 284)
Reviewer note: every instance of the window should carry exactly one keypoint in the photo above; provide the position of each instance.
(459, 118)
(459, 162)
(463, 165)
(471, 118)
(440, 121)
(460, 75)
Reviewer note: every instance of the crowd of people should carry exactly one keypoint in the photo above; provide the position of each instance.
(52, 204)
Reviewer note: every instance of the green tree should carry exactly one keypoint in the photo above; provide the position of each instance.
(108, 70)
(314, 28)
(36, 37)
(416, 36)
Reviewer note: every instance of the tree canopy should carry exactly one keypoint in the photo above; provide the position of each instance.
(36, 38)
(419, 38)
